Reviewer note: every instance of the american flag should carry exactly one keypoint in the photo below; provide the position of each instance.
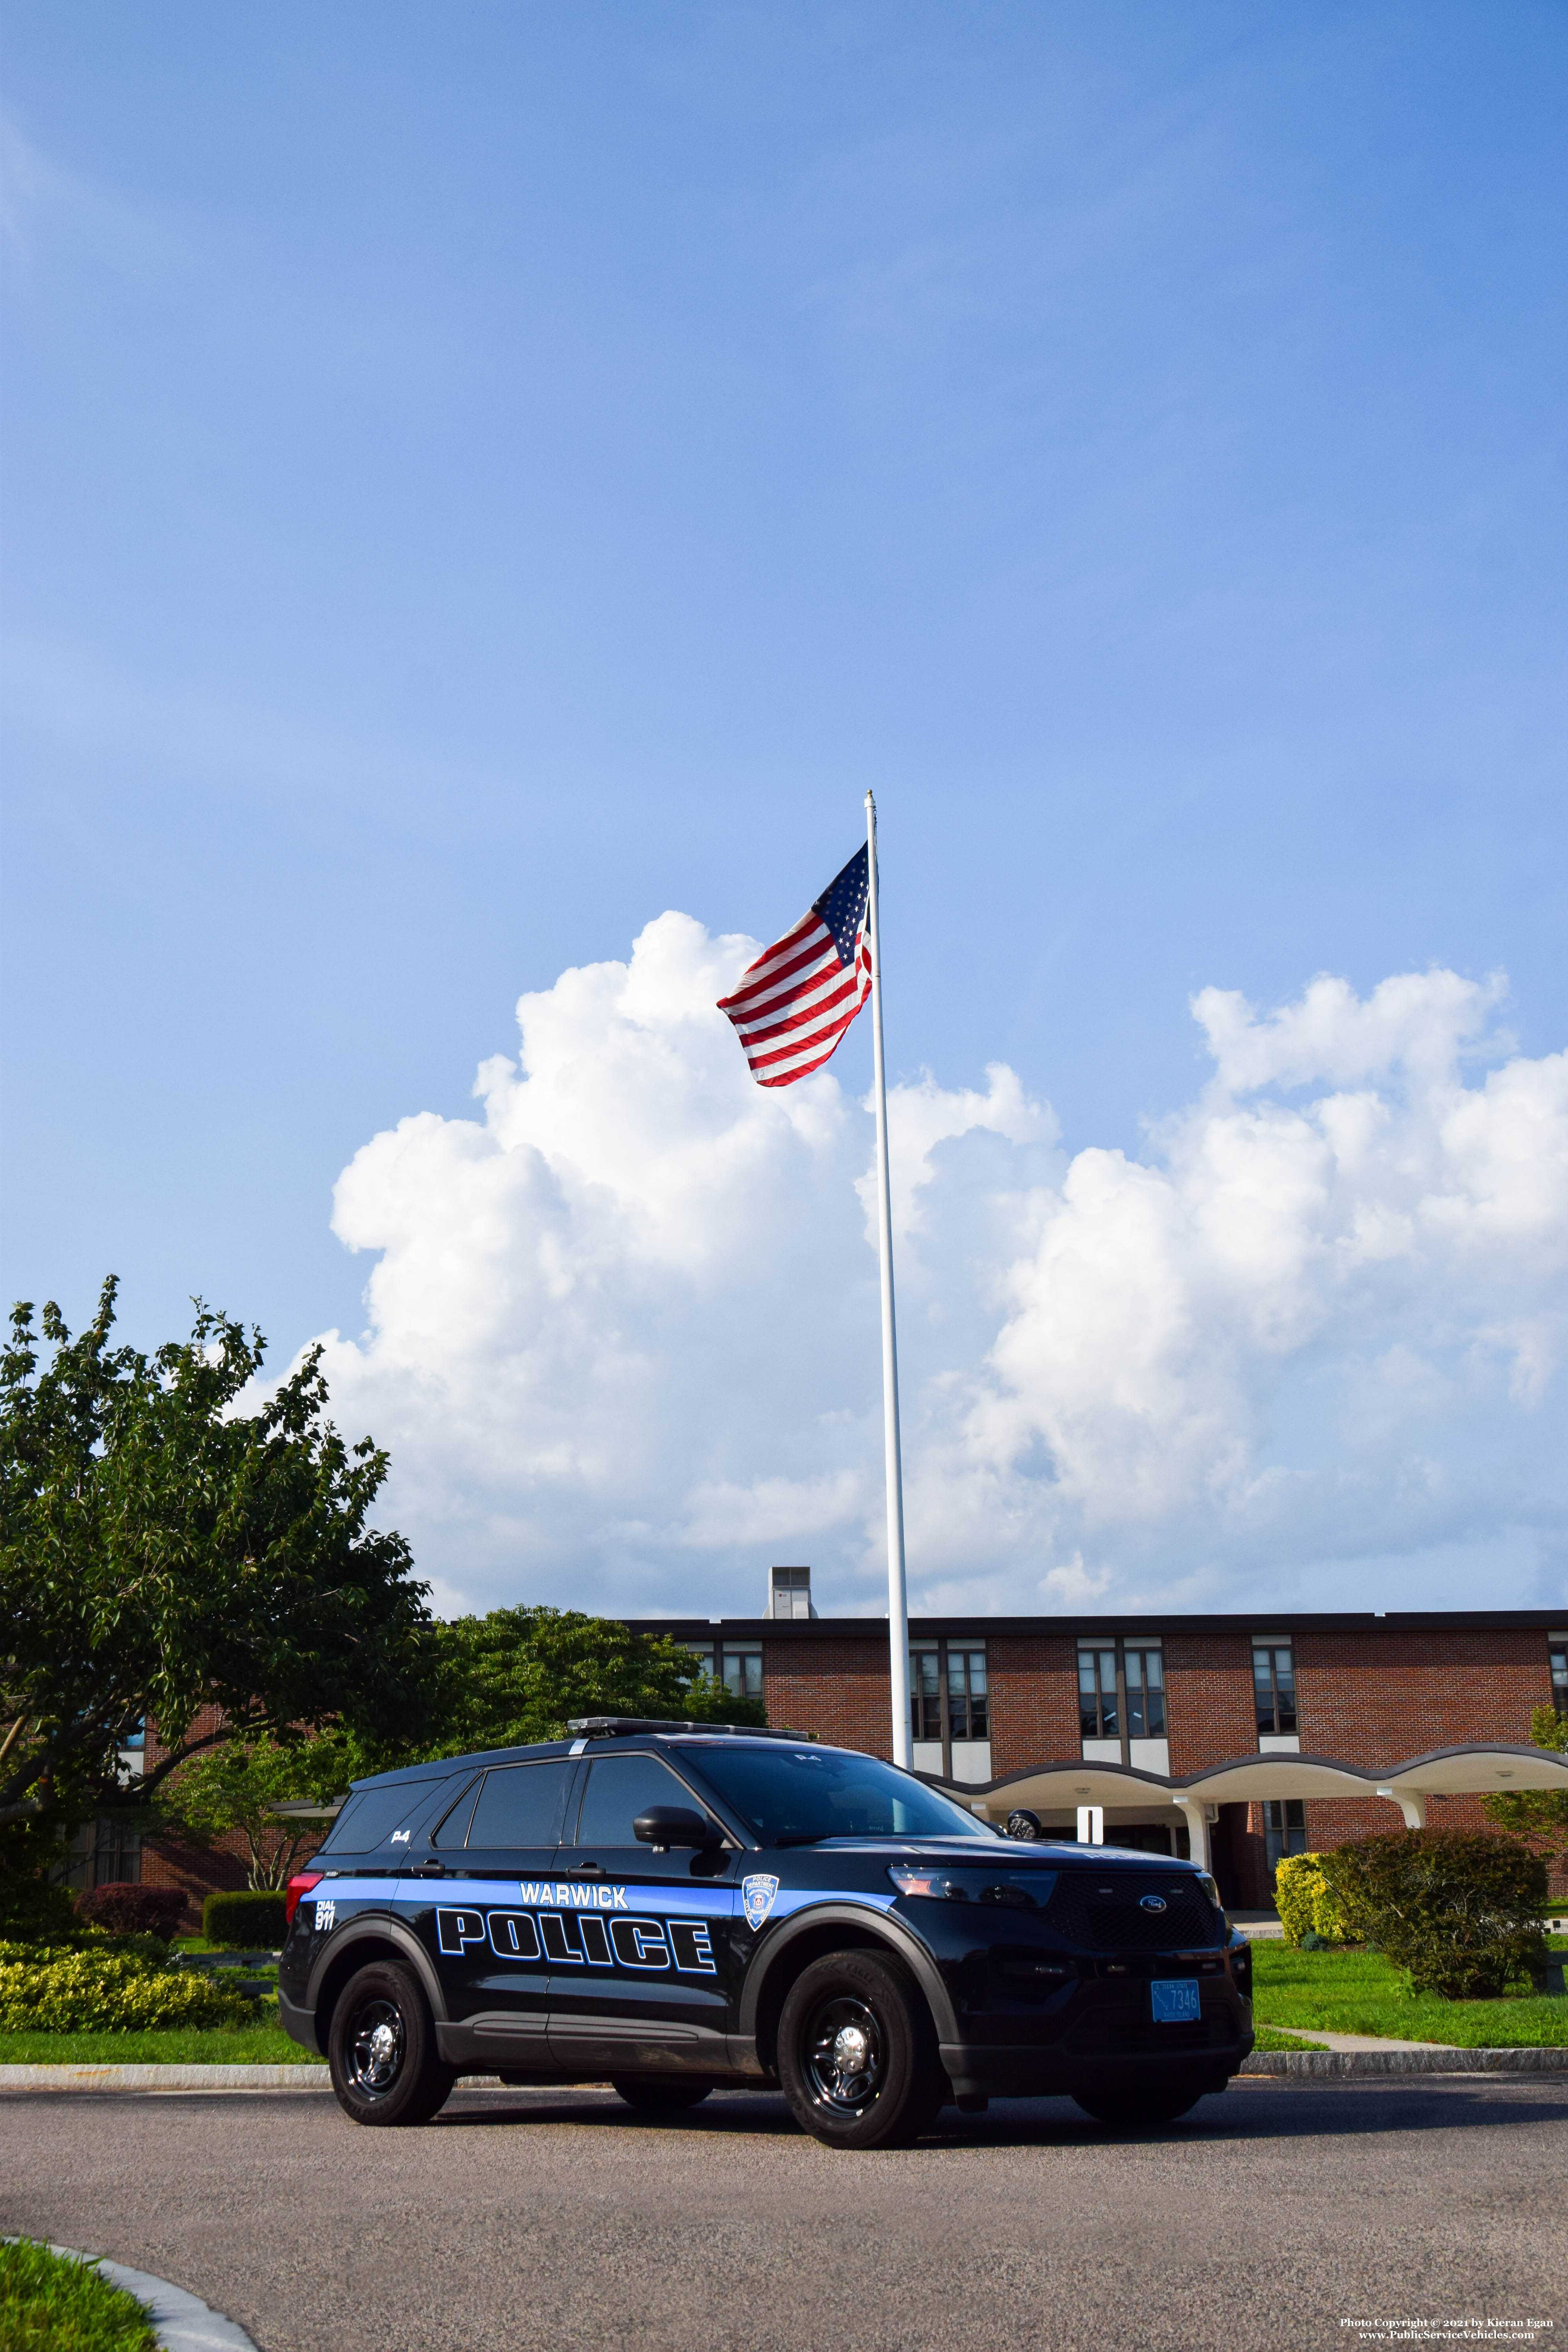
(797, 1001)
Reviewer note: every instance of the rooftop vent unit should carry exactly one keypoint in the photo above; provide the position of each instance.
(789, 1593)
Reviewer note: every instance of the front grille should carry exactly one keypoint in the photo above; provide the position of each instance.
(1096, 1922)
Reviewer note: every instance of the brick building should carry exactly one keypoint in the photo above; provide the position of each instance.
(1241, 1738)
(1254, 1736)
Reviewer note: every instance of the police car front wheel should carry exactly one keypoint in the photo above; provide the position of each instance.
(381, 2051)
(856, 2052)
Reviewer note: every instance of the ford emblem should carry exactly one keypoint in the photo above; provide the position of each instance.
(1151, 1903)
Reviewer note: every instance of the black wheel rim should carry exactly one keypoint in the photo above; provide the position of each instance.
(377, 2043)
(845, 2054)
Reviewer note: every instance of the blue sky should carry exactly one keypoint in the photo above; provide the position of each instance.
(476, 479)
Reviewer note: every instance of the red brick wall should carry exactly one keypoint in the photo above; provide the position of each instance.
(838, 1689)
(1034, 1701)
(1376, 1700)
(1208, 1700)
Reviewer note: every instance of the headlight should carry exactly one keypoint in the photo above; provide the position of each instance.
(1014, 1890)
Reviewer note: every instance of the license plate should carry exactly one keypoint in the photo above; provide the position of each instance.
(1175, 2001)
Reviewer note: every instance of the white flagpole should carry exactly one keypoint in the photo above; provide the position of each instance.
(898, 1597)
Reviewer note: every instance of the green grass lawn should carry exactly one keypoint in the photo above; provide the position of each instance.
(1359, 1992)
(230, 2045)
(48, 2303)
(1268, 2039)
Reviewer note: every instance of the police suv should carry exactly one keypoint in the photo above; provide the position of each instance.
(684, 1907)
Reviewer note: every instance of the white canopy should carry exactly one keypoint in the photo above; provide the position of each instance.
(1470, 1770)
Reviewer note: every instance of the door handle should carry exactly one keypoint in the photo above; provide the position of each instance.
(586, 1870)
(429, 1870)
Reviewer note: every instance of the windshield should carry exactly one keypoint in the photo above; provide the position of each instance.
(793, 1796)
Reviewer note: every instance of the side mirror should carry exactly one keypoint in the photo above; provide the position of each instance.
(664, 1826)
(1024, 1824)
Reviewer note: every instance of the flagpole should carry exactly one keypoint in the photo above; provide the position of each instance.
(897, 1596)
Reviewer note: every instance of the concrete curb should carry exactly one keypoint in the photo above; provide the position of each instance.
(1322, 2066)
(164, 2078)
(1336, 2065)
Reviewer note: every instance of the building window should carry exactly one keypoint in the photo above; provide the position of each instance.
(1122, 1683)
(737, 1664)
(1559, 1654)
(1274, 1688)
(1284, 1829)
(1099, 1715)
(1146, 1691)
(925, 1693)
(740, 1669)
(949, 1696)
(966, 1697)
(117, 1855)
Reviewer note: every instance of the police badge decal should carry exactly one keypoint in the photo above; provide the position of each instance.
(757, 1894)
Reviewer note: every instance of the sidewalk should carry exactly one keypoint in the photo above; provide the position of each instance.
(1358, 2041)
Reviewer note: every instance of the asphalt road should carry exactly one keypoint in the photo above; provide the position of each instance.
(558, 2220)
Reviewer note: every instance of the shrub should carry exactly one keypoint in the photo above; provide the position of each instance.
(127, 1910)
(45, 1990)
(248, 1921)
(1306, 1902)
(1461, 1911)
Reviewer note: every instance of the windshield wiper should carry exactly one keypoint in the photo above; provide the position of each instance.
(804, 1837)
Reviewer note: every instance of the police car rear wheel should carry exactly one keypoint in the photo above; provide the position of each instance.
(382, 2050)
(856, 2052)
(659, 2096)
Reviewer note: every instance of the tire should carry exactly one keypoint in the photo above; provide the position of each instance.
(381, 2048)
(856, 2052)
(1136, 2110)
(659, 2094)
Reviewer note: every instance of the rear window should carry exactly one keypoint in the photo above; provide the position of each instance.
(371, 1815)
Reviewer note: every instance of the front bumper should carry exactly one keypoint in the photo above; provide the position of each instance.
(993, 2070)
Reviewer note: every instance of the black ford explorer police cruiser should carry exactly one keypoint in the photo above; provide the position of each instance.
(683, 1907)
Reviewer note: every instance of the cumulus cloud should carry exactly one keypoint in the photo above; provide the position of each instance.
(622, 1335)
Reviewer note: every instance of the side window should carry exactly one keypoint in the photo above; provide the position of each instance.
(620, 1788)
(519, 1805)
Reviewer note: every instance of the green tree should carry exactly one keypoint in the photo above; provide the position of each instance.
(1539, 1816)
(239, 1787)
(520, 1674)
(163, 1552)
